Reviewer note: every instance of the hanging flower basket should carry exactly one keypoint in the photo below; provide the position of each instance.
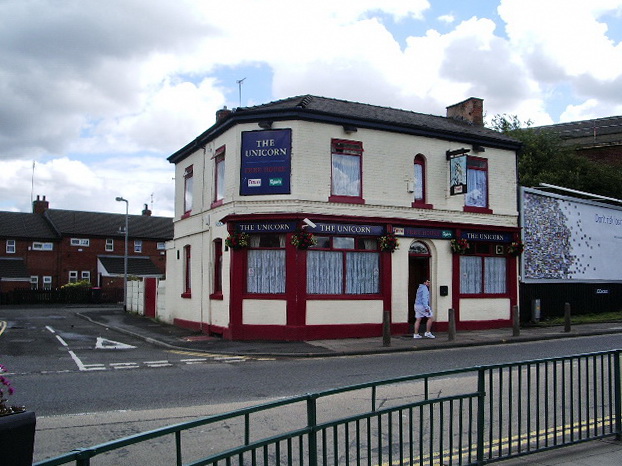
(516, 248)
(388, 242)
(238, 240)
(459, 246)
(303, 239)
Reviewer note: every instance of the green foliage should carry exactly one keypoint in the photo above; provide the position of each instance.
(80, 284)
(545, 159)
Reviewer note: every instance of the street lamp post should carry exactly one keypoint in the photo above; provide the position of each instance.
(127, 206)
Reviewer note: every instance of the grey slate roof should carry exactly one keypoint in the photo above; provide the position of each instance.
(13, 267)
(139, 266)
(25, 225)
(340, 112)
(599, 131)
(71, 222)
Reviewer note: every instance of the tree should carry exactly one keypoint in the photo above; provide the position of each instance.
(544, 158)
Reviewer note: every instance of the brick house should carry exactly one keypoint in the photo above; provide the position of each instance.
(48, 248)
(252, 187)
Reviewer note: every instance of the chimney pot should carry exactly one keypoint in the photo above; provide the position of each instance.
(222, 114)
(39, 205)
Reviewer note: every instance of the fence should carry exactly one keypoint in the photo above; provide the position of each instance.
(62, 296)
(468, 416)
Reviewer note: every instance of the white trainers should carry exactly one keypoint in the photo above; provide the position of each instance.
(429, 335)
(416, 335)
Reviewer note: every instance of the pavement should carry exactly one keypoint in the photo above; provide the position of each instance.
(602, 452)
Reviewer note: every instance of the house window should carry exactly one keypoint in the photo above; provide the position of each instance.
(161, 246)
(188, 182)
(483, 273)
(47, 282)
(217, 266)
(187, 273)
(219, 174)
(477, 183)
(80, 242)
(347, 170)
(266, 264)
(109, 244)
(73, 276)
(36, 246)
(34, 282)
(10, 246)
(85, 275)
(343, 266)
(138, 245)
(419, 187)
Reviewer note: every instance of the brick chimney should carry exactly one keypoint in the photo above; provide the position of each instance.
(146, 211)
(470, 111)
(222, 114)
(40, 205)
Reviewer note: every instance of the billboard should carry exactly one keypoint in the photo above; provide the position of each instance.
(569, 239)
(266, 162)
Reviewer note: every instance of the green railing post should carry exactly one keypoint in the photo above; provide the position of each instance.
(481, 395)
(618, 395)
(178, 447)
(312, 423)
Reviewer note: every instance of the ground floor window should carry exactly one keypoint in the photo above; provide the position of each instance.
(483, 275)
(343, 265)
(266, 264)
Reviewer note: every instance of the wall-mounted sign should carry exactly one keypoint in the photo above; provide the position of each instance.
(458, 175)
(266, 227)
(266, 162)
(346, 229)
(492, 237)
(432, 233)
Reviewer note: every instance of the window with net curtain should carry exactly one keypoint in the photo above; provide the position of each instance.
(346, 168)
(219, 171)
(419, 179)
(351, 266)
(266, 264)
(477, 182)
(483, 275)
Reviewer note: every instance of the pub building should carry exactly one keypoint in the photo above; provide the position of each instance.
(316, 218)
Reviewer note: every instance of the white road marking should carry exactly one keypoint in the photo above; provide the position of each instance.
(124, 365)
(103, 343)
(76, 359)
(62, 342)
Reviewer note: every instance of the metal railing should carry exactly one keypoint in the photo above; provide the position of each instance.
(467, 416)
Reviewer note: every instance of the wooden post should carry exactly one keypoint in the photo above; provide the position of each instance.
(386, 328)
(516, 321)
(567, 317)
(451, 334)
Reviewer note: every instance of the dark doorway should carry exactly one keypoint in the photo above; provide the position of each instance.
(418, 272)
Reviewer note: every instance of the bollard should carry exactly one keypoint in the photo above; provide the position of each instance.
(451, 332)
(386, 329)
(567, 317)
(516, 321)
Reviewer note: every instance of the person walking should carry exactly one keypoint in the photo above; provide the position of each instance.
(423, 309)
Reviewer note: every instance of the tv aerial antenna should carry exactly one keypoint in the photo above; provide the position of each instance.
(240, 81)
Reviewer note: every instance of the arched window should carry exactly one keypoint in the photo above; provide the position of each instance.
(419, 248)
(419, 188)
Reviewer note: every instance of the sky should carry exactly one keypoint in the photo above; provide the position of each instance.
(95, 95)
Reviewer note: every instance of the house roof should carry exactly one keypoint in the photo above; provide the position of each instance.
(25, 225)
(71, 222)
(342, 112)
(13, 267)
(139, 266)
(599, 131)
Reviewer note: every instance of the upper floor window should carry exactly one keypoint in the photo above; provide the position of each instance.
(188, 182)
(219, 174)
(477, 183)
(36, 246)
(10, 246)
(80, 242)
(138, 245)
(109, 244)
(419, 182)
(347, 171)
(161, 245)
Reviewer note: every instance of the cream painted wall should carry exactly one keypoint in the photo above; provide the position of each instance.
(485, 309)
(264, 312)
(324, 312)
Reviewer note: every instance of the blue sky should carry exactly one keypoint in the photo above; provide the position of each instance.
(98, 94)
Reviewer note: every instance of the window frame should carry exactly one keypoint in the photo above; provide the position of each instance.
(41, 246)
(109, 244)
(11, 246)
(217, 269)
(187, 272)
(219, 178)
(482, 252)
(85, 275)
(280, 247)
(34, 282)
(188, 197)
(138, 246)
(80, 242)
(420, 161)
(73, 276)
(472, 164)
(47, 282)
(349, 148)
